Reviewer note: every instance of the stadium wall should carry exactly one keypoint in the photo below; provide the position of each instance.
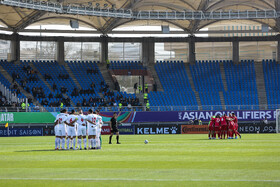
(39, 124)
(141, 117)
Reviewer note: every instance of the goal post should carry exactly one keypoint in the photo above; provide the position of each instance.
(277, 121)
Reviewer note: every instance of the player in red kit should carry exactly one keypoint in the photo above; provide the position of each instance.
(217, 124)
(211, 127)
(235, 130)
(224, 126)
(230, 129)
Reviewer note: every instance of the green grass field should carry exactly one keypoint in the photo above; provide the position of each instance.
(177, 160)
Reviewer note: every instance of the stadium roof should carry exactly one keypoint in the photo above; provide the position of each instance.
(16, 18)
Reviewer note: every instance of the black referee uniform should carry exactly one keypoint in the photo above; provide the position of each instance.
(114, 129)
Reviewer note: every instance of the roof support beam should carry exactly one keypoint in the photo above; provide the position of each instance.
(135, 39)
(28, 20)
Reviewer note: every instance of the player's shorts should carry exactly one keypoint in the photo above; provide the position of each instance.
(224, 127)
(98, 132)
(56, 130)
(71, 131)
(115, 130)
(82, 131)
(211, 128)
(231, 127)
(217, 128)
(61, 130)
(92, 131)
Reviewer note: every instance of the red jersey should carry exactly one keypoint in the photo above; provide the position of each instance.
(235, 120)
(211, 122)
(231, 125)
(224, 120)
(217, 122)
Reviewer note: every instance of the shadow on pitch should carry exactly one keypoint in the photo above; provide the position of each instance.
(42, 150)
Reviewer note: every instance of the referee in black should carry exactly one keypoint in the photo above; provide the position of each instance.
(114, 128)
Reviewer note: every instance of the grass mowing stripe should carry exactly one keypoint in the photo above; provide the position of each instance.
(124, 179)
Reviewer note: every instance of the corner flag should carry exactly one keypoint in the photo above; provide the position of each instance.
(6, 125)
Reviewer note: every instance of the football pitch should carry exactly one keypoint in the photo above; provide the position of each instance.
(167, 160)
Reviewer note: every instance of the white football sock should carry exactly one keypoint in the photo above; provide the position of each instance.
(74, 143)
(56, 142)
(68, 141)
(85, 143)
(60, 143)
(91, 142)
(80, 142)
(97, 142)
(63, 143)
(94, 142)
(71, 142)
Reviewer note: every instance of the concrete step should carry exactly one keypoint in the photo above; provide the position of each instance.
(262, 96)
(68, 69)
(48, 85)
(140, 96)
(223, 74)
(25, 93)
(188, 70)
(106, 75)
(41, 76)
(154, 74)
(197, 99)
(222, 98)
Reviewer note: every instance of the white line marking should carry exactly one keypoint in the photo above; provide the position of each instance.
(124, 179)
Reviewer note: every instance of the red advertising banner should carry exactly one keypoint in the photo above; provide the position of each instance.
(105, 130)
(194, 129)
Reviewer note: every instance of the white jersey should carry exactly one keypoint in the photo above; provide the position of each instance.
(71, 130)
(71, 118)
(61, 118)
(82, 125)
(92, 127)
(82, 120)
(99, 124)
(60, 129)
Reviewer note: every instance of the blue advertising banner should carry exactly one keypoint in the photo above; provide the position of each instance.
(158, 129)
(126, 129)
(171, 116)
(38, 131)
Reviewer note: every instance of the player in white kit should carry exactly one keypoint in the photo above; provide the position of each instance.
(82, 129)
(99, 129)
(92, 128)
(60, 129)
(71, 130)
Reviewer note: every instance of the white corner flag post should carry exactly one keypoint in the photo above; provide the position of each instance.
(277, 120)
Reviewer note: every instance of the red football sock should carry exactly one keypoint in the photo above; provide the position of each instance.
(236, 132)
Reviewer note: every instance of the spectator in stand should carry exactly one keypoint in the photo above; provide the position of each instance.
(92, 85)
(195, 122)
(265, 121)
(54, 86)
(135, 87)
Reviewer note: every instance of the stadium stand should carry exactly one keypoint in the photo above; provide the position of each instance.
(241, 81)
(177, 88)
(137, 65)
(272, 83)
(240, 78)
(208, 82)
(63, 87)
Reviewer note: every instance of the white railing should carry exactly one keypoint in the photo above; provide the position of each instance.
(143, 108)
(89, 10)
(11, 97)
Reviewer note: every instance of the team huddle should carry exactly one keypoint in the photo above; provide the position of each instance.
(69, 126)
(222, 126)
